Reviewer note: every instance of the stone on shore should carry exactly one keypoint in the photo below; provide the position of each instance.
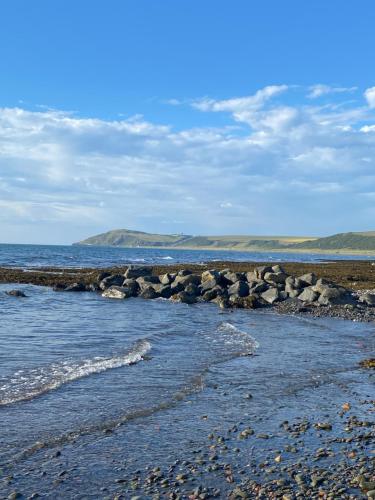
(368, 299)
(116, 292)
(16, 293)
(308, 295)
(137, 271)
(240, 288)
(271, 295)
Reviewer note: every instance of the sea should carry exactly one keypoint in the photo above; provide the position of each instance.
(95, 256)
(96, 393)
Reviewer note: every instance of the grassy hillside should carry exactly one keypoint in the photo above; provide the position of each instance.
(341, 241)
(128, 238)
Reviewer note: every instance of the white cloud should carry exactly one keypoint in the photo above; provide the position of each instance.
(319, 90)
(284, 169)
(370, 96)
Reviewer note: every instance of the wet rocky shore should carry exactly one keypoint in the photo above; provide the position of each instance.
(330, 289)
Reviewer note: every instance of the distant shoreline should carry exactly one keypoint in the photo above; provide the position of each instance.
(316, 251)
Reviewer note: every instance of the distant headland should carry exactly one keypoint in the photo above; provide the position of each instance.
(342, 243)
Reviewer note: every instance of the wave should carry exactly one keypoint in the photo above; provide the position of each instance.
(168, 257)
(26, 385)
(231, 335)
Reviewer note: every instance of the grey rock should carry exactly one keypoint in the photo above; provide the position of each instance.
(113, 279)
(308, 295)
(16, 293)
(75, 287)
(233, 277)
(137, 271)
(167, 279)
(211, 294)
(187, 280)
(146, 281)
(184, 272)
(271, 295)
(192, 289)
(335, 296)
(149, 293)
(259, 287)
(368, 299)
(308, 279)
(132, 286)
(209, 284)
(260, 271)
(184, 297)
(116, 292)
(278, 269)
(240, 288)
(251, 276)
(211, 275)
(275, 277)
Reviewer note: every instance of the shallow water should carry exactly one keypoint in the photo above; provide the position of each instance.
(117, 385)
(27, 256)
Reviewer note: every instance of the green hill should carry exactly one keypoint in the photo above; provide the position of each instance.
(128, 238)
(359, 242)
(342, 241)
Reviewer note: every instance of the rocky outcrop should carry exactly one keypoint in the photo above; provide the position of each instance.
(265, 286)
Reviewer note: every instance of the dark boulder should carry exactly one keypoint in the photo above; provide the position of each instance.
(149, 293)
(137, 271)
(112, 280)
(184, 297)
(240, 288)
(16, 293)
(76, 287)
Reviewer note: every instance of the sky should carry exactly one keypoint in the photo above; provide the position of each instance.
(189, 116)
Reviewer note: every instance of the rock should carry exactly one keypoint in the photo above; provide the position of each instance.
(167, 279)
(249, 302)
(211, 275)
(308, 279)
(75, 287)
(148, 293)
(368, 363)
(192, 289)
(308, 295)
(275, 277)
(116, 292)
(145, 281)
(259, 287)
(187, 280)
(184, 297)
(209, 284)
(240, 288)
(293, 293)
(114, 279)
(368, 299)
(132, 286)
(213, 293)
(260, 271)
(271, 295)
(100, 277)
(184, 272)
(16, 293)
(335, 296)
(233, 277)
(278, 269)
(137, 271)
(251, 276)
(164, 291)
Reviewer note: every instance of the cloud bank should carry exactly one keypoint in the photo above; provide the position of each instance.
(289, 161)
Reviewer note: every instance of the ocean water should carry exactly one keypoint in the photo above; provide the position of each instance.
(94, 391)
(86, 256)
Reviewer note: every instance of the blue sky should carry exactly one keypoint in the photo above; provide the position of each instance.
(247, 117)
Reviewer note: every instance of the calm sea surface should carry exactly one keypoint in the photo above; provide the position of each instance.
(87, 256)
(93, 390)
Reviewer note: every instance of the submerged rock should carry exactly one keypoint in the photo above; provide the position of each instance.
(16, 293)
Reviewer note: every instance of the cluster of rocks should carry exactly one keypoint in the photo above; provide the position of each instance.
(264, 286)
